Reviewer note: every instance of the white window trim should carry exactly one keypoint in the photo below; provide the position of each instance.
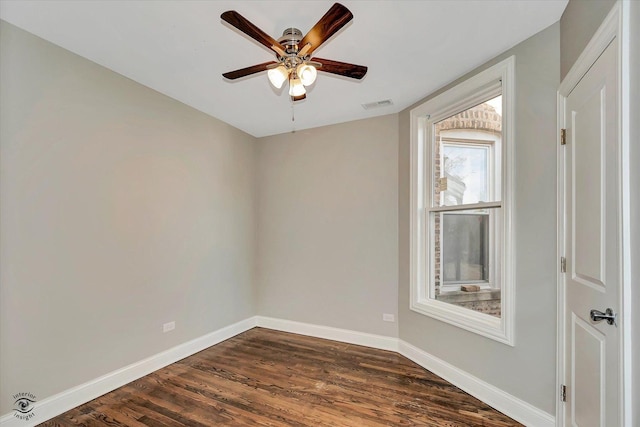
(462, 96)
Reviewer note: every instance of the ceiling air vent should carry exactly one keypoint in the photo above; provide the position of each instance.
(377, 104)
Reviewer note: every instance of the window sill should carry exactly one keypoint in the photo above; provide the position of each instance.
(486, 301)
(454, 297)
(485, 324)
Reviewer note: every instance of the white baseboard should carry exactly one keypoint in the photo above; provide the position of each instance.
(343, 335)
(55, 405)
(68, 399)
(509, 405)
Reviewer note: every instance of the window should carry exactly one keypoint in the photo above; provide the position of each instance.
(464, 249)
(461, 185)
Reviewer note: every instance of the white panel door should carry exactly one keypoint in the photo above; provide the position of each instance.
(592, 244)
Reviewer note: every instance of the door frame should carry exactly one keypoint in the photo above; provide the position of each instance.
(615, 25)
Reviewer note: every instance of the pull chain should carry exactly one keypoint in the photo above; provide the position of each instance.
(293, 117)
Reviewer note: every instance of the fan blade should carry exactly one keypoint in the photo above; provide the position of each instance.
(342, 68)
(244, 25)
(298, 98)
(232, 75)
(337, 17)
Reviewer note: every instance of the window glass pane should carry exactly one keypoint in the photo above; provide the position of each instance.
(465, 247)
(465, 173)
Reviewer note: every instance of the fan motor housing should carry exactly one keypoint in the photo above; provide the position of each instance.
(290, 39)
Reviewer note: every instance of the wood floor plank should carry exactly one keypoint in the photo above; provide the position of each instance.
(276, 379)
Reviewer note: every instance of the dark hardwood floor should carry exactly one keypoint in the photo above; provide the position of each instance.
(269, 378)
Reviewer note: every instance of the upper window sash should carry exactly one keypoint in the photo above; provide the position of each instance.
(429, 122)
(492, 180)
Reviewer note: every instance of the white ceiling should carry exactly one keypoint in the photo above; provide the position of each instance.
(181, 48)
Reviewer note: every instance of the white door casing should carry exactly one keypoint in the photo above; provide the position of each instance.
(591, 242)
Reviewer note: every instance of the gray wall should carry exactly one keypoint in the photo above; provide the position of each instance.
(527, 370)
(328, 225)
(578, 24)
(635, 202)
(121, 210)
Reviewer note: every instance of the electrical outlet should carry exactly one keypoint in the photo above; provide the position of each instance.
(388, 317)
(168, 326)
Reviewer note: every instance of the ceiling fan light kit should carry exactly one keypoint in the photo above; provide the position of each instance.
(294, 53)
(307, 74)
(278, 75)
(296, 88)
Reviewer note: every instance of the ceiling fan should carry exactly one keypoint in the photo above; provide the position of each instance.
(294, 53)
